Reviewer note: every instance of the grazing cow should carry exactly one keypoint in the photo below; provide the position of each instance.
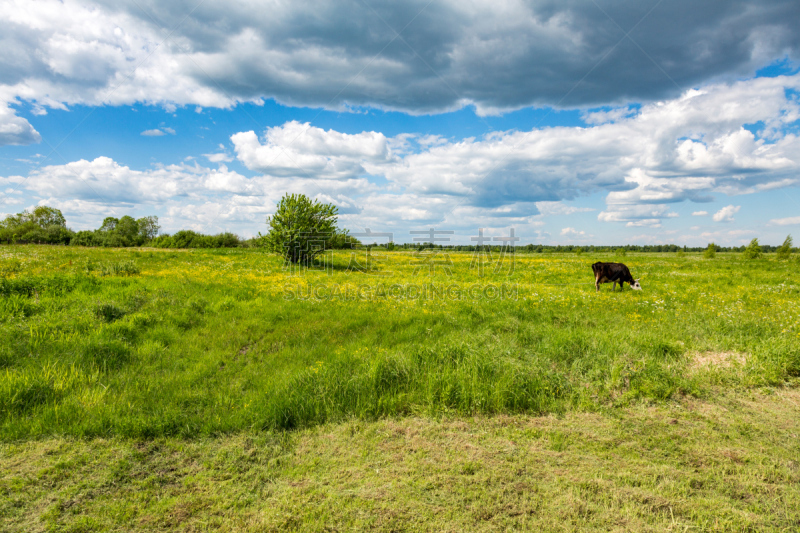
(613, 273)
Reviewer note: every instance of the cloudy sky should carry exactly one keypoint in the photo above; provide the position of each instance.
(570, 121)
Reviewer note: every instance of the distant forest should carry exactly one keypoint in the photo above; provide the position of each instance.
(47, 225)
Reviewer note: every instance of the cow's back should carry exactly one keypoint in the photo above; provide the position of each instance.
(612, 271)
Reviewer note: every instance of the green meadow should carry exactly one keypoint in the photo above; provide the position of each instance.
(145, 389)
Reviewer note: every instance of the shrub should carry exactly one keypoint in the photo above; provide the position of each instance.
(301, 228)
(786, 248)
(753, 250)
(341, 240)
(711, 251)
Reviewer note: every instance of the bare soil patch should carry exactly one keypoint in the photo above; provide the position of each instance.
(715, 360)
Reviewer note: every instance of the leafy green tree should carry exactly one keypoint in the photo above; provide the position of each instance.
(786, 248)
(127, 231)
(753, 250)
(109, 224)
(46, 217)
(301, 228)
(42, 224)
(119, 232)
(226, 240)
(148, 227)
(187, 239)
(711, 251)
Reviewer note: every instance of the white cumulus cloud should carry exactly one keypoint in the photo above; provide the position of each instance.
(726, 213)
(305, 151)
(15, 129)
(788, 221)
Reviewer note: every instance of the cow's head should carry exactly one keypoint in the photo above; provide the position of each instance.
(635, 285)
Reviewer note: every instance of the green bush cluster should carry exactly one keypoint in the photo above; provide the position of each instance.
(42, 225)
(192, 239)
(47, 225)
(119, 232)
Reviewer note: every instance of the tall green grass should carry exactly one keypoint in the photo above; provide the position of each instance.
(197, 343)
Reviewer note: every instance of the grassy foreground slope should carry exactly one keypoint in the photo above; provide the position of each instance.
(152, 343)
(730, 464)
(151, 390)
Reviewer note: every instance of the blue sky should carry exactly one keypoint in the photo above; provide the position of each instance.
(572, 122)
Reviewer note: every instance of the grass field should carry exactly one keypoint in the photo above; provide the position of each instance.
(145, 389)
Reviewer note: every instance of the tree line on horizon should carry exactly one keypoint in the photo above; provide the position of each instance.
(47, 225)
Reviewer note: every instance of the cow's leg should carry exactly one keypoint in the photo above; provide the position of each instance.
(597, 284)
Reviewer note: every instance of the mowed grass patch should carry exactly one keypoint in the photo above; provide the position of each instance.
(725, 464)
(149, 344)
